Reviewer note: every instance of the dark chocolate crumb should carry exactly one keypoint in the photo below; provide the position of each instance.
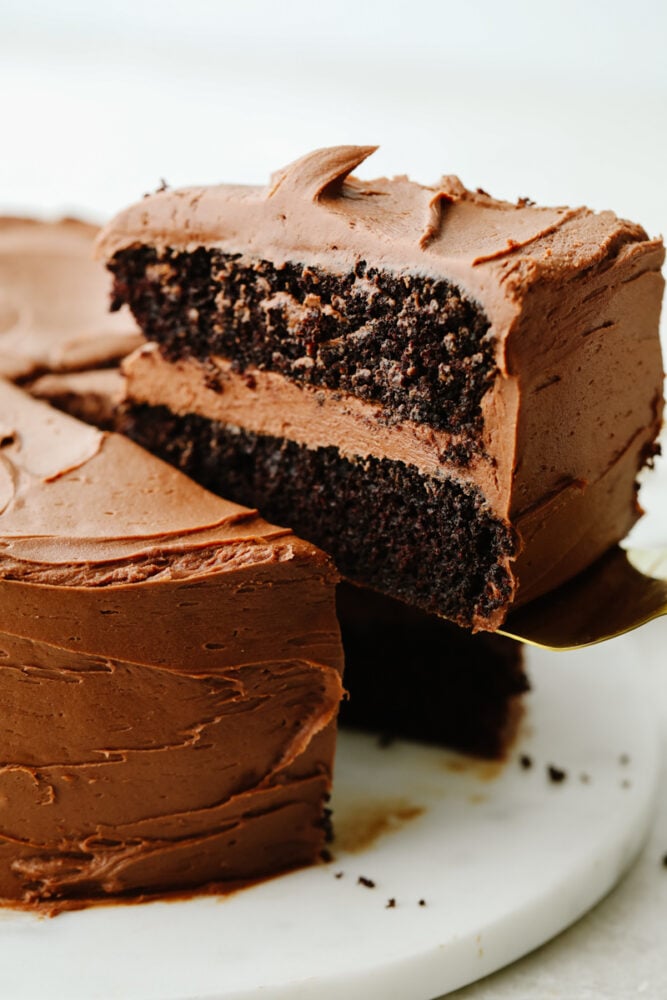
(422, 902)
(624, 759)
(327, 825)
(385, 740)
(438, 369)
(391, 904)
(556, 774)
(339, 874)
(525, 761)
(584, 778)
(664, 861)
(326, 855)
(368, 882)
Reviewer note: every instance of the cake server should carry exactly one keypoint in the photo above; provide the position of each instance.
(621, 591)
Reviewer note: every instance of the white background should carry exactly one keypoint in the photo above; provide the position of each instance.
(565, 103)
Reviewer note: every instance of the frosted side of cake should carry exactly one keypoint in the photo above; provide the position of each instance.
(170, 665)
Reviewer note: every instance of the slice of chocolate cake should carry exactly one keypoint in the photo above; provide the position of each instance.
(169, 670)
(450, 394)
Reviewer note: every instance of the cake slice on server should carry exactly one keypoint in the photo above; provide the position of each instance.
(450, 394)
(170, 671)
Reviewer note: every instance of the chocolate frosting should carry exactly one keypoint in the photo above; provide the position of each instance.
(314, 211)
(54, 301)
(172, 664)
(572, 296)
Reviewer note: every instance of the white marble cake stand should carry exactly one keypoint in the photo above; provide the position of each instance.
(502, 857)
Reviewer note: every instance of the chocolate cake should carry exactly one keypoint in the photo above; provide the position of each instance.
(54, 315)
(463, 691)
(415, 676)
(93, 396)
(169, 670)
(450, 394)
(457, 690)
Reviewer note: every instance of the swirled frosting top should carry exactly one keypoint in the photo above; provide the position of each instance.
(78, 504)
(315, 210)
(54, 313)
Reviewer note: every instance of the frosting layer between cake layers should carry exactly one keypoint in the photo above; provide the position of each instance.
(170, 667)
(455, 358)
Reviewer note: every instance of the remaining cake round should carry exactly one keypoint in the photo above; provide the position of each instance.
(170, 670)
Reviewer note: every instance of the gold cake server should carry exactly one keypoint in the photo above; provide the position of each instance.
(621, 591)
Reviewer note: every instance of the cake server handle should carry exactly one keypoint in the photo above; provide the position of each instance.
(621, 591)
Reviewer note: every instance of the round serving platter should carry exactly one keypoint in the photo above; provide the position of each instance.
(445, 868)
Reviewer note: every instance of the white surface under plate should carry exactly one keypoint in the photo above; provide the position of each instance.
(503, 858)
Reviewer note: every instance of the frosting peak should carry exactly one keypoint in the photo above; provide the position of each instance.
(319, 174)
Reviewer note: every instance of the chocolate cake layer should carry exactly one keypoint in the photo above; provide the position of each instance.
(93, 396)
(53, 310)
(510, 349)
(414, 676)
(171, 664)
(415, 345)
(350, 508)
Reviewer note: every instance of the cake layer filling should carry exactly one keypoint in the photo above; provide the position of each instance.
(91, 396)
(270, 404)
(418, 346)
(448, 553)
